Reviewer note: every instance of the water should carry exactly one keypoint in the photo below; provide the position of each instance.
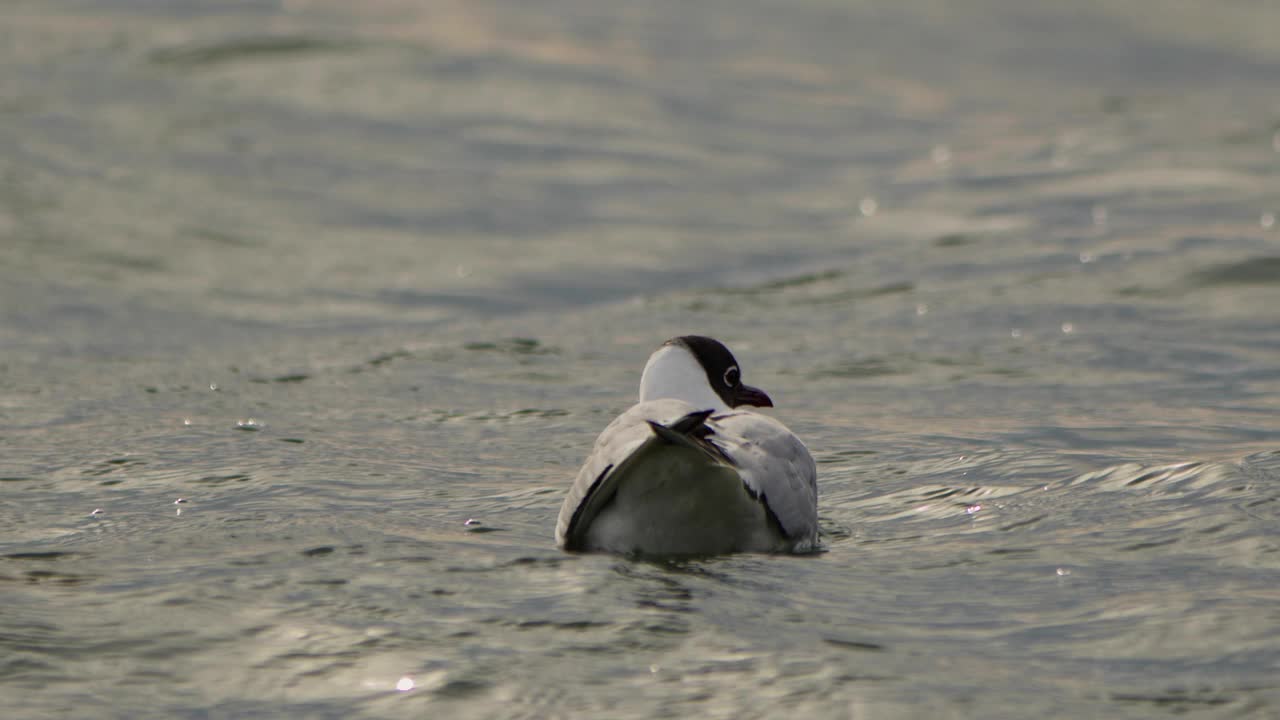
(309, 312)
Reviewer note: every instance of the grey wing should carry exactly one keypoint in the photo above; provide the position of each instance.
(777, 465)
(620, 440)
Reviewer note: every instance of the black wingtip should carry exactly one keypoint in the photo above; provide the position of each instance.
(685, 431)
(691, 422)
(681, 430)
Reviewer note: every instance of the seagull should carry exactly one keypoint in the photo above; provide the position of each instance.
(688, 470)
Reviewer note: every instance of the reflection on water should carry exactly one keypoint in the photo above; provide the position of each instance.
(309, 311)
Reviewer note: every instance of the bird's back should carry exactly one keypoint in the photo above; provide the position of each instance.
(662, 480)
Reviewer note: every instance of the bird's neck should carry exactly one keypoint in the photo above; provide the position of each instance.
(673, 372)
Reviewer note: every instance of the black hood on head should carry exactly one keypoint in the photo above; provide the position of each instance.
(723, 371)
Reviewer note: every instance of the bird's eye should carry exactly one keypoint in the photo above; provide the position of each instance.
(731, 376)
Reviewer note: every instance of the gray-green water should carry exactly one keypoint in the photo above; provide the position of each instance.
(309, 311)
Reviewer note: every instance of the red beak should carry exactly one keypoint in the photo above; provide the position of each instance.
(747, 395)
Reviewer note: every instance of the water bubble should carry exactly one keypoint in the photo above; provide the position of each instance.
(940, 154)
(868, 206)
(1267, 221)
(405, 684)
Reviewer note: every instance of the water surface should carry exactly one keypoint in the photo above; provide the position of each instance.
(310, 311)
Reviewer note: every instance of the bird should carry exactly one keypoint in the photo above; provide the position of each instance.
(690, 470)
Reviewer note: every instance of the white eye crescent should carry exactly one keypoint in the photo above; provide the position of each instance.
(732, 376)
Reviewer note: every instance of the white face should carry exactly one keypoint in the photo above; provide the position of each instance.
(673, 372)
